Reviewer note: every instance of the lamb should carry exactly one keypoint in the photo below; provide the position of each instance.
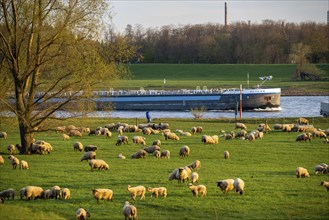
(2, 161)
(238, 185)
(226, 185)
(100, 164)
(24, 165)
(66, 193)
(195, 165)
(102, 194)
(90, 148)
(184, 151)
(122, 139)
(136, 191)
(3, 135)
(82, 214)
(194, 177)
(226, 155)
(302, 121)
(160, 191)
(199, 189)
(157, 154)
(77, 146)
(89, 156)
(171, 136)
(151, 149)
(121, 156)
(8, 193)
(139, 154)
(157, 142)
(129, 211)
(197, 129)
(302, 172)
(240, 126)
(303, 137)
(139, 140)
(65, 137)
(14, 161)
(165, 154)
(325, 184)
(33, 192)
(11, 149)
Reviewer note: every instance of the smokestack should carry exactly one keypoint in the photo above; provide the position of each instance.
(226, 22)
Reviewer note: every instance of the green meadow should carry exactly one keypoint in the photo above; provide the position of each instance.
(267, 166)
(189, 76)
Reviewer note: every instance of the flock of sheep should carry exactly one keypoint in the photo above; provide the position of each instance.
(181, 174)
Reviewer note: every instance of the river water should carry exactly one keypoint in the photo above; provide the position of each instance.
(291, 106)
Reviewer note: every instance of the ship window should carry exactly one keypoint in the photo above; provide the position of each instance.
(267, 98)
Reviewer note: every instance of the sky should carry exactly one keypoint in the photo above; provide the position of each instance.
(157, 13)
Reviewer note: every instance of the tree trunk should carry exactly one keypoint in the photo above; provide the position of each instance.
(26, 136)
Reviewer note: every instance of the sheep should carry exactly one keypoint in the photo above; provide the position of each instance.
(179, 174)
(66, 193)
(82, 214)
(302, 172)
(240, 126)
(226, 155)
(48, 194)
(2, 200)
(88, 155)
(139, 154)
(199, 189)
(129, 211)
(41, 147)
(121, 156)
(188, 171)
(108, 134)
(65, 137)
(241, 133)
(11, 149)
(325, 184)
(303, 137)
(320, 169)
(2, 161)
(197, 129)
(77, 146)
(302, 121)
(14, 161)
(90, 148)
(139, 140)
(230, 136)
(195, 165)
(136, 191)
(102, 194)
(22, 192)
(33, 192)
(157, 142)
(157, 154)
(184, 133)
(264, 127)
(206, 139)
(151, 149)
(165, 154)
(147, 131)
(171, 136)
(320, 134)
(194, 177)
(8, 193)
(238, 185)
(287, 127)
(56, 192)
(160, 191)
(122, 139)
(303, 128)
(100, 164)
(3, 135)
(277, 126)
(75, 133)
(184, 151)
(226, 185)
(24, 165)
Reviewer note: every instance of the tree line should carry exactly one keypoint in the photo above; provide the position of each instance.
(268, 42)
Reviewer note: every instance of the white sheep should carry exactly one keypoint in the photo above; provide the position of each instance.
(226, 155)
(66, 193)
(206, 139)
(82, 214)
(182, 174)
(197, 129)
(184, 151)
(121, 156)
(139, 140)
(195, 165)
(56, 192)
(139, 154)
(14, 161)
(320, 169)
(194, 177)
(122, 139)
(226, 185)
(240, 126)
(199, 189)
(157, 142)
(165, 154)
(88, 155)
(33, 192)
(304, 137)
(75, 133)
(77, 146)
(48, 194)
(8, 193)
(238, 185)
(325, 184)
(24, 165)
(277, 126)
(152, 148)
(104, 194)
(3, 135)
(302, 172)
(136, 191)
(157, 154)
(98, 164)
(11, 149)
(241, 133)
(65, 137)
(90, 148)
(159, 191)
(2, 161)
(129, 211)
(171, 136)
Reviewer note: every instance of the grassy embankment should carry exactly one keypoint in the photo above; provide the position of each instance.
(188, 76)
(267, 166)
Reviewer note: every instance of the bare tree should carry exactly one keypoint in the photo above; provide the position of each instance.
(48, 52)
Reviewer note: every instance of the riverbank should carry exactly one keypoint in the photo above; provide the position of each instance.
(303, 92)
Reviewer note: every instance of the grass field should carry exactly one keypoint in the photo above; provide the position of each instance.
(267, 166)
(189, 76)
